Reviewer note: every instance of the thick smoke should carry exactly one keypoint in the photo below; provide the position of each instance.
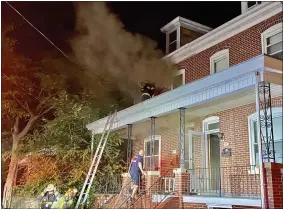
(105, 48)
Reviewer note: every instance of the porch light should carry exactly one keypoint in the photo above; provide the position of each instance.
(221, 136)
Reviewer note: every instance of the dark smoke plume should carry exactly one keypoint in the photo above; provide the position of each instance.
(105, 48)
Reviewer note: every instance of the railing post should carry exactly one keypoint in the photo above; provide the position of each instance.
(181, 179)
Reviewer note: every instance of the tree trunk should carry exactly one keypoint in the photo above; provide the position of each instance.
(11, 173)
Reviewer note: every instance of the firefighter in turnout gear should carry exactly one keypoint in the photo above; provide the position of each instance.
(67, 201)
(147, 90)
(48, 197)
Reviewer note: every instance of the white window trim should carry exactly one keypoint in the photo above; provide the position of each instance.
(179, 72)
(178, 30)
(216, 56)
(210, 120)
(276, 111)
(156, 137)
(267, 33)
(205, 123)
(251, 7)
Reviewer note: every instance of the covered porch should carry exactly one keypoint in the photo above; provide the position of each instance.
(183, 127)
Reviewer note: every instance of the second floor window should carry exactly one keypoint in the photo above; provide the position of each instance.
(178, 79)
(219, 61)
(272, 41)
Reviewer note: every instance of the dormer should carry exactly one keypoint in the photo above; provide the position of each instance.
(248, 5)
(181, 31)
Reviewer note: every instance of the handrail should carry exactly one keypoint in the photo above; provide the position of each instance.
(160, 177)
(123, 188)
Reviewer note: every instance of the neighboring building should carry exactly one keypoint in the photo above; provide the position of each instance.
(206, 128)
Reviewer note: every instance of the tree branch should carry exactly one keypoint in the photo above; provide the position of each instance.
(38, 108)
(46, 111)
(19, 102)
(15, 129)
(28, 109)
(28, 126)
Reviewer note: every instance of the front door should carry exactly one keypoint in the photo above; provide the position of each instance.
(213, 162)
(194, 158)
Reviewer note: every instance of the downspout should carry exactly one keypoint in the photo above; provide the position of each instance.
(261, 167)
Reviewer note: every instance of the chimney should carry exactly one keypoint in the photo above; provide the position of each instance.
(244, 6)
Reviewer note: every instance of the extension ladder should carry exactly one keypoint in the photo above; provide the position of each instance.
(95, 161)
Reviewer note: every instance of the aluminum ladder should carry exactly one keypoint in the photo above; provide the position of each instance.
(95, 161)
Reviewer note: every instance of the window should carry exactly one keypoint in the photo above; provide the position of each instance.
(211, 124)
(157, 150)
(272, 41)
(277, 134)
(178, 79)
(219, 61)
(172, 41)
(252, 4)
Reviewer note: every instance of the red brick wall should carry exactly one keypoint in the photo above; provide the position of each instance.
(195, 205)
(234, 125)
(242, 47)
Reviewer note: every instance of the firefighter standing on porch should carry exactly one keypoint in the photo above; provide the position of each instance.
(147, 90)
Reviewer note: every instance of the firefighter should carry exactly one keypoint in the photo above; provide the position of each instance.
(67, 201)
(147, 90)
(48, 197)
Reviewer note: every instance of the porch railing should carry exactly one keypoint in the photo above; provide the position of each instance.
(157, 192)
(236, 181)
(106, 189)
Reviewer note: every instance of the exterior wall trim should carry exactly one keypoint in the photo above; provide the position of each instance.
(233, 80)
(225, 31)
(187, 24)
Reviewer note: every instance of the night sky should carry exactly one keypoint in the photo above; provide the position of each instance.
(57, 20)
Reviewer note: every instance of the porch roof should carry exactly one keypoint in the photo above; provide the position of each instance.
(233, 80)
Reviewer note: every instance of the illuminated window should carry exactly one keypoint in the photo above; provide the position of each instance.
(157, 149)
(219, 61)
(277, 134)
(272, 41)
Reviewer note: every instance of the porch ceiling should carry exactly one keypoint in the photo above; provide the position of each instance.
(171, 121)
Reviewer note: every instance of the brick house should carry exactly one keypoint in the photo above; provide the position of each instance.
(201, 139)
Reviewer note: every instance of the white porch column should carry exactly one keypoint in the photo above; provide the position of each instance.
(182, 138)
